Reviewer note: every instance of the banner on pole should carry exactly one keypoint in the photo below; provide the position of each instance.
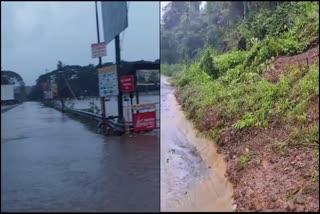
(98, 50)
(127, 83)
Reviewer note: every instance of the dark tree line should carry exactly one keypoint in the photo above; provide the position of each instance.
(83, 80)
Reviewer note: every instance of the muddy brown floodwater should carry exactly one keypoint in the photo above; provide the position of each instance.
(192, 173)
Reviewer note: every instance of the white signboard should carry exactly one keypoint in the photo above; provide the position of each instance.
(7, 92)
(108, 81)
(98, 50)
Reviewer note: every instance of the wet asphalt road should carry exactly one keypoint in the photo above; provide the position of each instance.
(50, 162)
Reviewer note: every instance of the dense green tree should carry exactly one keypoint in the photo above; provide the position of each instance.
(186, 28)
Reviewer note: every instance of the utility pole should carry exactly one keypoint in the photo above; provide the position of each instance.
(100, 64)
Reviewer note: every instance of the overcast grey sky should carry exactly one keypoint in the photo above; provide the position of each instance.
(35, 35)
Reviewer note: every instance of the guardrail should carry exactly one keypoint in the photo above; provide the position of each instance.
(97, 117)
(7, 108)
(109, 120)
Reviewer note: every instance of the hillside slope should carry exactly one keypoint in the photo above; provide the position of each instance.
(261, 105)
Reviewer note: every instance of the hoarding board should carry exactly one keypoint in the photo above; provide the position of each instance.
(127, 83)
(108, 81)
(148, 76)
(98, 50)
(144, 121)
(7, 92)
(114, 18)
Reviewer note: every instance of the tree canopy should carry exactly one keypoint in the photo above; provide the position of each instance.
(186, 29)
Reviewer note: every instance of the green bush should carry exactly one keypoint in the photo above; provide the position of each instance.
(208, 65)
(229, 60)
(242, 96)
(171, 70)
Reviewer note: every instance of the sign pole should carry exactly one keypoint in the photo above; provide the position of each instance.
(100, 63)
(120, 104)
(136, 87)
(131, 102)
(98, 33)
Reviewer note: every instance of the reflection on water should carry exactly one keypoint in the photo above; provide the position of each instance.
(192, 173)
(50, 162)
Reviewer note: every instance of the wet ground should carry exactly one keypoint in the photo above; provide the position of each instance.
(192, 173)
(50, 162)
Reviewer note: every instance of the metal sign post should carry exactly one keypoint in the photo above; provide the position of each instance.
(100, 64)
(120, 103)
(115, 20)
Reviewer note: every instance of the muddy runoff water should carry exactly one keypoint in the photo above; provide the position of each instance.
(192, 173)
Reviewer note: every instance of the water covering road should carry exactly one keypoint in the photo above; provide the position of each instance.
(192, 173)
(50, 162)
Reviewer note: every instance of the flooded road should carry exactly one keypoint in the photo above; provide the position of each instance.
(192, 173)
(50, 162)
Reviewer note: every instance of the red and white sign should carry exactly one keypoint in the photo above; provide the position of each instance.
(144, 121)
(126, 83)
(98, 50)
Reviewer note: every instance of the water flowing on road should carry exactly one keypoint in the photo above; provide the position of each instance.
(192, 173)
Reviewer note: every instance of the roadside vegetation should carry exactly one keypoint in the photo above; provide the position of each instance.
(256, 85)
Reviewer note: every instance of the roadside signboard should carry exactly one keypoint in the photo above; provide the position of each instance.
(127, 83)
(7, 92)
(108, 81)
(98, 50)
(144, 121)
(114, 18)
